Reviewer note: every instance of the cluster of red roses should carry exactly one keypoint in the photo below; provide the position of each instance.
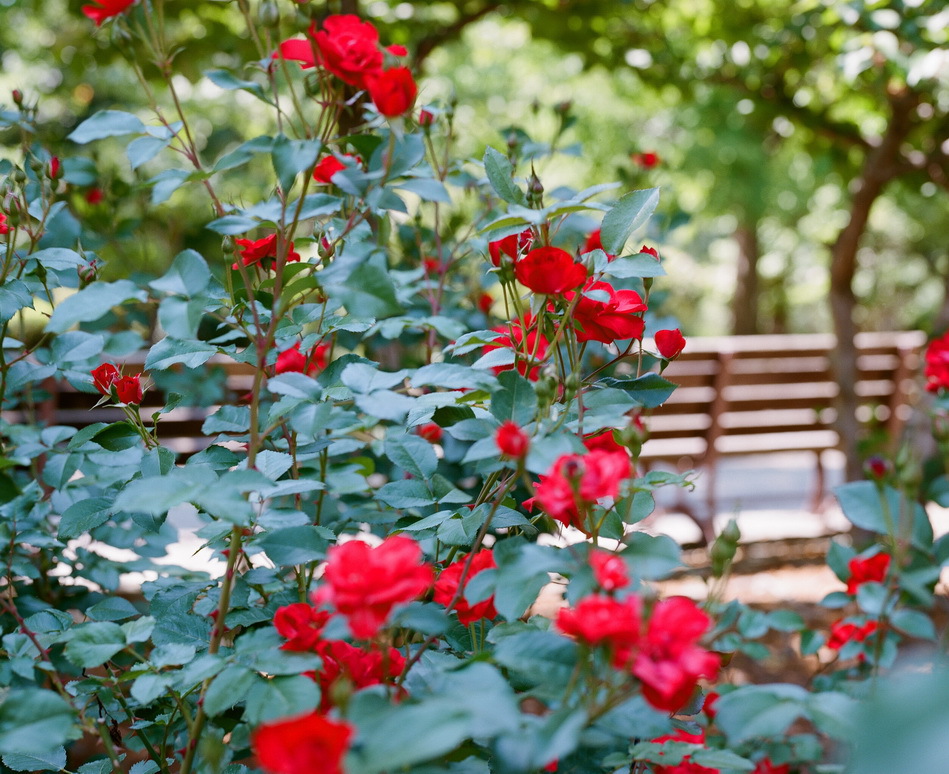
(688, 766)
(349, 48)
(870, 569)
(363, 584)
(662, 652)
(108, 380)
(937, 364)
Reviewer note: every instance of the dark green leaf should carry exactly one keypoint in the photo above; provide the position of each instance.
(91, 303)
(82, 516)
(294, 545)
(51, 760)
(500, 174)
(92, 644)
(629, 213)
(189, 275)
(291, 157)
(106, 123)
(143, 149)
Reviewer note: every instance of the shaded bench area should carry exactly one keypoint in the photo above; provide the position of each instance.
(751, 395)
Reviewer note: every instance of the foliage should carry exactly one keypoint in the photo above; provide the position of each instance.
(439, 375)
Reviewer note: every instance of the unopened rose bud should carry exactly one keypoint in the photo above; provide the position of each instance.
(227, 246)
(571, 384)
(17, 97)
(19, 176)
(732, 533)
(426, 119)
(37, 164)
(326, 249)
(877, 468)
(54, 169)
(268, 14)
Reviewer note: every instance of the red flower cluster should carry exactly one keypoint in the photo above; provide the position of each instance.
(512, 441)
(670, 343)
(293, 360)
(609, 570)
(686, 766)
(937, 364)
(349, 48)
(253, 253)
(577, 481)
(513, 246)
(550, 270)
(105, 9)
(365, 583)
(872, 569)
(605, 314)
(309, 744)
(446, 587)
(531, 346)
(666, 657)
(127, 389)
(842, 632)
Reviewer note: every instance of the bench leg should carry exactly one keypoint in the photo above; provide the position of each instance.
(817, 496)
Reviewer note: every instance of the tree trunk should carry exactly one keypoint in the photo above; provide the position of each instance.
(747, 292)
(881, 165)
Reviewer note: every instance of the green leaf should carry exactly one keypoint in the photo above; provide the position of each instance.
(638, 265)
(427, 189)
(760, 710)
(82, 516)
(228, 688)
(92, 644)
(170, 351)
(369, 290)
(628, 214)
(720, 759)
(516, 400)
(291, 157)
(542, 658)
(649, 390)
(413, 454)
(294, 545)
(189, 275)
(91, 303)
(138, 630)
(51, 760)
(112, 609)
(522, 571)
(180, 317)
(227, 80)
(500, 174)
(143, 149)
(106, 123)
(32, 719)
(164, 184)
(280, 697)
(14, 296)
(75, 346)
(228, 419)
(148, 687)
(915, 623)
(232, 224)
(651, 557)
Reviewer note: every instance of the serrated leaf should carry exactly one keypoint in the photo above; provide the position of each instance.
(228, 688)
(92, 644)
(170, 351)
(51, 760)
(290, 157)
(106, 123)
(500, 174)
(627, 215)
(649, 390)
(294, 545)
(91, 303)
(82, 516)
(413, 454)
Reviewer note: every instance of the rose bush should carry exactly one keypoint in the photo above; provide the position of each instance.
(375, 499)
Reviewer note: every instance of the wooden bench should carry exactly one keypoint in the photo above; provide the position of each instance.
(742, 395)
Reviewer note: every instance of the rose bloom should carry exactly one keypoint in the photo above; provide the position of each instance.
(512, 246)
(598, 620)
(447, 586)
(872, 569)
(549, 270)
(129, 389)
(670, 662)
(329, 165)
(393, 91)
(430, 431)
(358, 668)
(104, 377)
(609, 570)
(577, 481)
(94, 196)
(607, 315)
(425, 118)
(4, 228)
(485, 302)
(686, 766)
(308, 744)
(650, 251)
(252, 253)
(937, 364)
(842, 632)
(535, 346)
(301, 624)
(365, 583)
(593, 243)
(349, 48)
(512, 441)
(294, 361)
(670, 343)
(105, 9)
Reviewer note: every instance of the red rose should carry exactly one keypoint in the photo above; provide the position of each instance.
(607, 315)
(670, 343)
(253, 253)
(104, 377)
(105, 9)
(485, 302)
(348, 48)
(425, 118)
(598, 620)
(512, 246)
(577, 481)
(593, 243)
(309, 744)
(708, 706)
(447, 586)
(512, 441)
(549, 270)
(686, 766)
(94, 196)
(431, 432)
(670, 662)
(129, 389)
(4, 228)
(301, 624)
(937, 364)
(396, 50)
(872, 569)
(393, 91)
(366, 583)
(842, 632)
(329, 165)
(650, 251)
(354, 666)
(646, 160)
(294, 361)
(532, 347)
(609, 570)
